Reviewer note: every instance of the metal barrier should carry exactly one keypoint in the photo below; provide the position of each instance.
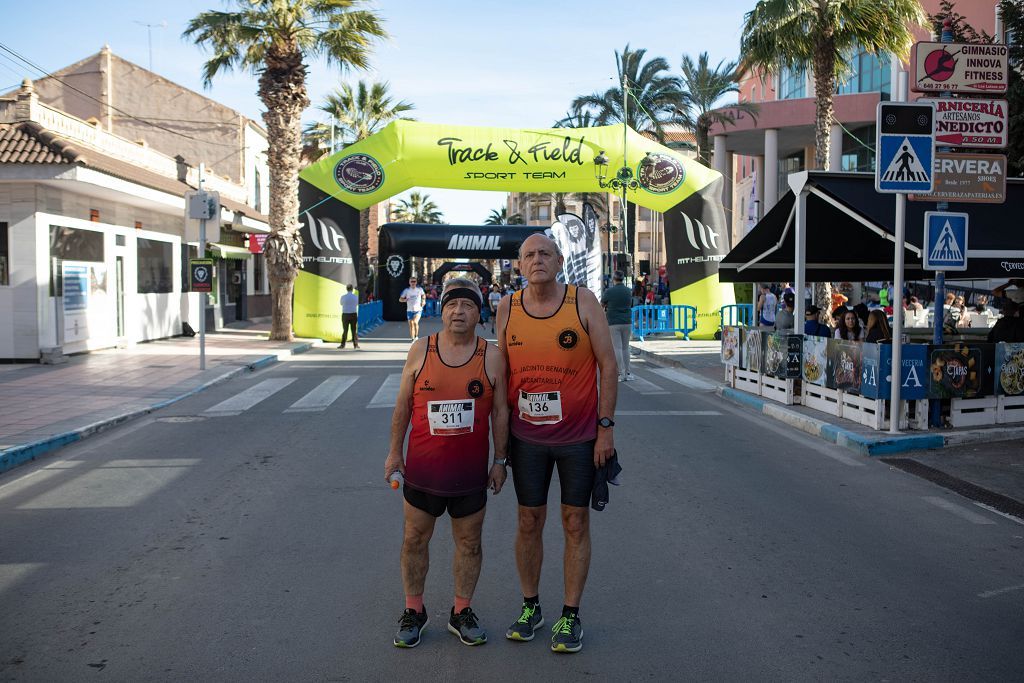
(736, 315)
(431, 309)
(647, 320)
(370, 316)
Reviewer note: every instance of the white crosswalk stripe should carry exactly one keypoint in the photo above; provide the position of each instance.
(248, 398)
(323, 395)
(642, 386)
(686, 379)
(388, 392)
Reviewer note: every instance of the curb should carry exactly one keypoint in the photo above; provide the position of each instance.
(18, 455)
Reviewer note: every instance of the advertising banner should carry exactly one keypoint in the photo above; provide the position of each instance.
(782, 355)
(753, 349)
(961, 370)
(967, 177)
(815, 360)
(1010, 369)
(731, 345)
(845, 365)
(971, 123)
(581, 251)
(959, 67)
(876, 373)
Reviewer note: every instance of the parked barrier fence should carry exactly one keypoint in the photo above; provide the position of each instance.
(370, 316)
(737, 315)
(431, 309)
(648, 320)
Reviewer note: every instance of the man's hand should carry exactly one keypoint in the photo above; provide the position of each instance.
(393, 464)
(603, 447)
(496, 478)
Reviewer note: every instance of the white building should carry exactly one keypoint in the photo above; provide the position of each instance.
(94, 165)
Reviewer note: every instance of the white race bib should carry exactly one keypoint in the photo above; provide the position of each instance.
(450, 418)
(541, 408)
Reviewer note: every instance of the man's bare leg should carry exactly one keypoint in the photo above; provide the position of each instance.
(419, 527)
(466, 532)
(530, 547)
(576, 525)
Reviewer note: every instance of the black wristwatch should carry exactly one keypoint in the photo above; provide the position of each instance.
(606, 422)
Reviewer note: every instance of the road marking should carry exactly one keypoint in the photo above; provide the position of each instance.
(1000, 591)
(1008, 516)
(387, 395)
(323, 395)
(335, 366)
(957, 510)
(683, 378)
(642, 386)
(682, 413)
(250, 397)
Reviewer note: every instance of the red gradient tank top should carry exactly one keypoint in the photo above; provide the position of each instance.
(552, 388)
(450, 439)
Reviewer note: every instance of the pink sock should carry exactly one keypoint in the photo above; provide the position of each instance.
(461, 603)
(414, 602)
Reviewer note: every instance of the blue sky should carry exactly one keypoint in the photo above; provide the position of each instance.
(483, 62)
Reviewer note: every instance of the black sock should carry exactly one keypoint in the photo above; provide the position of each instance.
(569, 612)
(533, 602)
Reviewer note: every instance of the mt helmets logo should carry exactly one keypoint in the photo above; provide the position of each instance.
(662, 176)
(395, 265)
(567, 339)
(475, 388)
(359, 174)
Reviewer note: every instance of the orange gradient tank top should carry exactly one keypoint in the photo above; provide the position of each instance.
(552, 388)
(451, 407)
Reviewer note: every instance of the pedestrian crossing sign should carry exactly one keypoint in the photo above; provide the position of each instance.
(945, 241)
(905, 151)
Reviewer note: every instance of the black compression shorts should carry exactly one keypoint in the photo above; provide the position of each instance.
(457, 506)
(533, 464)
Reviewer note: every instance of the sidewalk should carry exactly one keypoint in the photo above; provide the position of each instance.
(43, 407)
(984, 464)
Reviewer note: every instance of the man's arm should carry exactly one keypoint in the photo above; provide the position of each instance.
(403, 408)
(501, 321)
(601, 341)
(495, 367)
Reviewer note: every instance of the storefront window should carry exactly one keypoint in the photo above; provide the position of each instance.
(154, 266)
(71, 244)
(5, 256)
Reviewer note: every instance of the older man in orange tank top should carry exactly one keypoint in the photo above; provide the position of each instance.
(554, 338)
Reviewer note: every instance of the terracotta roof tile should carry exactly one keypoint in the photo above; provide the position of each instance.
(30, 143)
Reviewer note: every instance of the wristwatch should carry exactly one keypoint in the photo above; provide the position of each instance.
(503, 462)
(606, 422)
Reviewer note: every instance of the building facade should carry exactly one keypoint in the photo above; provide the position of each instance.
(95, 161)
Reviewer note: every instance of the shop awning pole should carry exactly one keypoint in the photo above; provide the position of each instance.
(896, 294)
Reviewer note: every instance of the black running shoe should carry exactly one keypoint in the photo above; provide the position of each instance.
(528, 621)
(465, 626)
(567, 635)
(410, 626)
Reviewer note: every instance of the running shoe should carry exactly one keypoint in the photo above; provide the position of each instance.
(465, 626)
(530, 620)
(629, 377)
(567, 635)
(410, 626)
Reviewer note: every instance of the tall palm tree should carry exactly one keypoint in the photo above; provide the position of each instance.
(272, 38)
(703, 87)
(816, 34)
(501, 217)
(357, 114)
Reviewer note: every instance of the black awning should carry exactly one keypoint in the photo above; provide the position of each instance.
(850, 230)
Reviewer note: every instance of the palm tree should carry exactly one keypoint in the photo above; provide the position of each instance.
(703, 86)
(501, 217)
(816, 34)
(418, 208)
(272, 38)
(357, 113)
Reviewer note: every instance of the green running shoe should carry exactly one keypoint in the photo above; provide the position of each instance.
(465, 626)
(410, 626)
(567, 635)
(528, 621)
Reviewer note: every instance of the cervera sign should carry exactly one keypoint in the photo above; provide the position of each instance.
(960, 67)
(971, 123)
(968, 178)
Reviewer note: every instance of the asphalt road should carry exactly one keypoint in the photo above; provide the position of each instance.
(223, 541)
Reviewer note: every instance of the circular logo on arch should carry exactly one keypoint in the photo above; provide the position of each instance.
(662, 176)
(359, 174)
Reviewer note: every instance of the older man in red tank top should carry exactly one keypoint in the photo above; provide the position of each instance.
(554, 338)
(452, 384)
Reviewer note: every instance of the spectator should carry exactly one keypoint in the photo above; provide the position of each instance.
(349, 316)
(813, 326)
(1012, 290)
(851, 329)
(784, 321)
(862, 311)
(838, 315)
(616, 302)
(915, 304)
(878, 328)
(1009, 328)
(955, 315)
(493, 299)
(767, 306)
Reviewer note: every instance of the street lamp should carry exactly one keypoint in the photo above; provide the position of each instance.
(622, 182)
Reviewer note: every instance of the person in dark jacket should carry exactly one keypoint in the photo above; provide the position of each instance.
(813, 326)
(1009, 328)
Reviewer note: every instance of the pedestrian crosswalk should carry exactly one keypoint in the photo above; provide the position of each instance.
(323, 392)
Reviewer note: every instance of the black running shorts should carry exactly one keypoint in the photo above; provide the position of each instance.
(457, 506)
(532, 465)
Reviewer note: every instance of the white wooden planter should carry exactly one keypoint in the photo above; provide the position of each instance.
(973, 412)
(821, 398)
(781, 390)
(1010, 409)
(866, 411)
(747, 380)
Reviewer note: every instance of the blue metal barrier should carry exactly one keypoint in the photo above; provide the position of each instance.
(647, 320)
(370, 316)
(431, 309)
(736, 315)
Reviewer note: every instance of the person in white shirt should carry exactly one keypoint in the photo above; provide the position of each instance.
(349, 317)
(493, 298)
(413, 297)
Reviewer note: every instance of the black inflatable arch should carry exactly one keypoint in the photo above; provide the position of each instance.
(398, 243)
(449, 266)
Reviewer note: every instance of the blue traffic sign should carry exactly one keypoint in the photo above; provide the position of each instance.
(905, 151)
(945, 241)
